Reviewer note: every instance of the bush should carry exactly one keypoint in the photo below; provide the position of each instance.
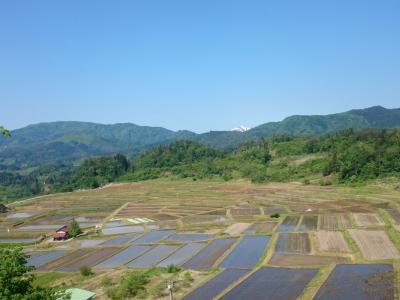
(325, 182)
(173, 269)
(131, 285)
(85, 271)
(106, 282)
(74, 229)
(306, 181)
(276, 215)
(187, 279)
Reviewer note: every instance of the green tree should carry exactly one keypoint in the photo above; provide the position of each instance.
(4, 131)
(16, 281)
(74, 229)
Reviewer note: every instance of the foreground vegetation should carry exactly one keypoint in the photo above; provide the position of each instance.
(344, 157)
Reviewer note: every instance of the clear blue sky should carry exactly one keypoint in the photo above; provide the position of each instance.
(196, 65)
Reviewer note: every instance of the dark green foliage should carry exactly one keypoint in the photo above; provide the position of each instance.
(85, 271)
(130, 286)
(96, 172)
(173, 269)
(17, 283)
(275, 215)
(74, 228)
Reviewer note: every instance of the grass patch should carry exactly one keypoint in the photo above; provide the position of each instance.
(314, 285)
(47, 279)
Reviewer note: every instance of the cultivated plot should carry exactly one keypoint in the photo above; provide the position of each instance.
(89, 243)
(89, 260)
(237, 228)
(245, 211)
(122, 230)
(38, 259)
(182, 255)
(345, 221)
(206, 258)
(152, 257)
(216, 285)
(304, 260)
(123, 257)
(121, 240)
(395, 214)
(289, 224)
(374, 244)
(190, 237)
(367, 219)
(66, 259)
(328, 222)
(293, 243)
(331, 241)
(273, 283)
(263, 226)
(247, 253)
(358, 282)
(309, 223)
(153, 236)
(17, 240)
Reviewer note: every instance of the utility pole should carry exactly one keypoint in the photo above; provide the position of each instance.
(170, 285)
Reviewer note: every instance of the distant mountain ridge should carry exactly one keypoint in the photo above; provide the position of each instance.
(71, 142)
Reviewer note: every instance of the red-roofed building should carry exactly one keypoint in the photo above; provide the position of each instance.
(61, 234)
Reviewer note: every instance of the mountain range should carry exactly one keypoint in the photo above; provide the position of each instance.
(72, 142)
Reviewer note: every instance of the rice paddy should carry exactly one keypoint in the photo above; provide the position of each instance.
(204, 226)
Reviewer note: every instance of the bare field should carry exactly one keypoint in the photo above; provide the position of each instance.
(367, 219)
(237, 228)
(328, 222)
(264, 226)
(293, 243)
(374, 244)
(331, 241)
(301, 260)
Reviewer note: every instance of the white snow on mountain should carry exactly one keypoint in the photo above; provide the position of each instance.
(241, 128)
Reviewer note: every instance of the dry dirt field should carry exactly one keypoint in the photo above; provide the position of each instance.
(331, 241)
(367, 220)
(328, 222)
(237, 228)
(374, 244)
(300, 260)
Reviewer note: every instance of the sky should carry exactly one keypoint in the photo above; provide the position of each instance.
(196, 65)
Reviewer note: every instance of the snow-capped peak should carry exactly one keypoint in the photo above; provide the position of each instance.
(241, 128)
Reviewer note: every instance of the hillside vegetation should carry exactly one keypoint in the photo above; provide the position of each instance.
(73, 142)
(344, 157)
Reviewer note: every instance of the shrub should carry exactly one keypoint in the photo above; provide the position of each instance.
(106, 281)
(85, 271)
(173, 269)
(187, 279)
(131, 285)
(276, 215)
(74, 229)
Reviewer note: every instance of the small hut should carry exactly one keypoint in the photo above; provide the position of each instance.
(62, 234)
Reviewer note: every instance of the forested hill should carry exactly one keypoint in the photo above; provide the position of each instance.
(72, 142)
(344, 157)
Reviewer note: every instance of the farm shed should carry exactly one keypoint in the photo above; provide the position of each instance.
(79, 294)
(62, 233)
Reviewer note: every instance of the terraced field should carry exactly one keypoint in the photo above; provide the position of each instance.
(223, 234)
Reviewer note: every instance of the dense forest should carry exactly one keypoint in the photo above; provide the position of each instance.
(344, 157)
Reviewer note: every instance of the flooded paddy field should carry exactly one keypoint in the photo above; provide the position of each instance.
(358, 282)
(272, 283)
(309, 223)
(206, 258)
(182, 255)
(190, 237)
(289, 224)
(247, 253)
(153, 256)
(216, 285)
(123, 257)
(38, 259)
